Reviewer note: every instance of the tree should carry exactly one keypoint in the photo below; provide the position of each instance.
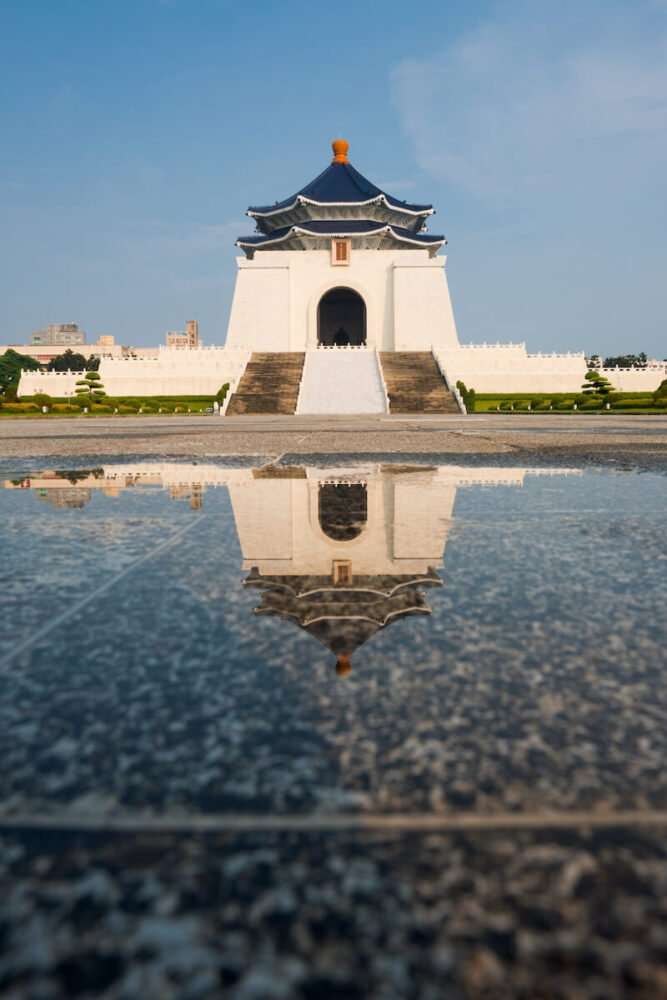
(90, 387)
(627, 361)
(467, 395)
(596, 384)
(67, 362)
(11, 363)
(221, 393)
(660, 394)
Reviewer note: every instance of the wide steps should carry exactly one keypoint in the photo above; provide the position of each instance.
(415, 384)
(269, 384)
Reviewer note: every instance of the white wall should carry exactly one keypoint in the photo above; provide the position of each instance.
(509, 368)
(175, 372)
(423, 315)
(278, 292)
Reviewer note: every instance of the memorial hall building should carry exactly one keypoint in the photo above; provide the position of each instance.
(341, 306)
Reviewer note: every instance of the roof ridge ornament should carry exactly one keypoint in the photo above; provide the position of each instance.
(340, 150)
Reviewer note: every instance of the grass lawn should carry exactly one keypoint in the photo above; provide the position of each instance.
(621, 402)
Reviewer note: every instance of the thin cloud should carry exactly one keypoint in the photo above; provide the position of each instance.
(498, 113)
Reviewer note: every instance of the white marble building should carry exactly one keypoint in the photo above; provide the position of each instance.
(342, 267)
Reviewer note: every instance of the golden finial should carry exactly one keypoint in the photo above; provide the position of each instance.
(343, 665)
(340, 148)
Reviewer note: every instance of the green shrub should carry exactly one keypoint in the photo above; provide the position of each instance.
(596, 403)
(661, 392)
(636, 404)
(20, 407)
(468, 396)
(127, 409)
(101, 408)
(42, 399)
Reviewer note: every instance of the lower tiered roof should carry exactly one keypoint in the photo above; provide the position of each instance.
(316, 235)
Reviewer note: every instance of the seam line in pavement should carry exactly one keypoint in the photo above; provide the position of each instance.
(41, 633)
(343, 822)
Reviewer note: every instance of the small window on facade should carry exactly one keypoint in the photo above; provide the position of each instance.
(340, 251)
(342, 572)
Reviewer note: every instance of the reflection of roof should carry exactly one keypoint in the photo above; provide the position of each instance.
(340, 184)
(286, 237)
(342, 617)
(380, 585)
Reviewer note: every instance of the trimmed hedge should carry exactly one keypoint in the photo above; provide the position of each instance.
(19, 408)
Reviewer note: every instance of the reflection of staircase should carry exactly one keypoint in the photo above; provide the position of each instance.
(415, 384)
(269, 384)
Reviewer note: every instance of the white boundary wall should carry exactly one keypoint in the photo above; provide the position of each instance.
(175, 372)
(509, 368)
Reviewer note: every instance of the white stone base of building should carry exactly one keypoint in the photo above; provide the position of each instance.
(342, 380)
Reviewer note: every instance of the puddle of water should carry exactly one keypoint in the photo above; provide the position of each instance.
(196, 638)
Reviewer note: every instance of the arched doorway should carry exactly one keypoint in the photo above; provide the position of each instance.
(343, 510)
(341, 319)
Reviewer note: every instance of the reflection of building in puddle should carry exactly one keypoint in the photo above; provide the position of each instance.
(340, 553)
(344, 553)
(73, 497)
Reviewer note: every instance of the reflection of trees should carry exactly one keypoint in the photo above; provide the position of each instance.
(76, 475)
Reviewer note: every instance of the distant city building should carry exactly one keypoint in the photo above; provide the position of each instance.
(66, 334)
(187, 338)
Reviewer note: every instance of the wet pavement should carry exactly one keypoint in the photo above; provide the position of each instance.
(338, 726)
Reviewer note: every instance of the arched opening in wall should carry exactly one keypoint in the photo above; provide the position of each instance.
(343, 510)
(341, 319)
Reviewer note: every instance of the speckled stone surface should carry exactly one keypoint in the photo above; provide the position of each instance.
(136, 681)
(303, 917)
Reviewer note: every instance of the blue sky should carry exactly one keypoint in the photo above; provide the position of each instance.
(136, 133)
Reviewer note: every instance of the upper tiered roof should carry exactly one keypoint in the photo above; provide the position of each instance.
(340, 202)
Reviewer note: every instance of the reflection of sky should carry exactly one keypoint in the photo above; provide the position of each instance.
(539, 548)
(541, 662)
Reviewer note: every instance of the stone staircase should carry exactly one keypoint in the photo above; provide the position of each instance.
(415, 384)
(269, 384)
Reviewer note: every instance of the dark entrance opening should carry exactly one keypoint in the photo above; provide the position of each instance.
(343, 510)
(341, 319)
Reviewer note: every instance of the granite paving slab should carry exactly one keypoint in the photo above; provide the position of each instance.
(136, 677)
(534, 916)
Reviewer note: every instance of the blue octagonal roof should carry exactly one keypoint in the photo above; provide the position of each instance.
(340, 184)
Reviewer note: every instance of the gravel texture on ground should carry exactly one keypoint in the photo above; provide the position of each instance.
(135, 681)
(565, 916)
(196, 437)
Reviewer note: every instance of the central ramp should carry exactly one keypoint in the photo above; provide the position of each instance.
(341, 380)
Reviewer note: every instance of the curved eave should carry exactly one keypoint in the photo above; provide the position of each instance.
(338, 619)
(294, 234)
(418, 581)
(265, 212)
